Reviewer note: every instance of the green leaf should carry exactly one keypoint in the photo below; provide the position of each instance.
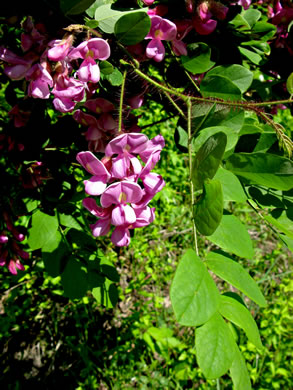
(232, 188)
(251, 16)
(251, 55)
(69, 221)
(219, 87)
(208, 211)
(232, 236)
(91, 23)
(206, 133)
(240, 23)
(208, 159)
(74, 279)
(107, 294)
(74, 7)
(239, 373)
(289, 84)
(265, 141)
(43, 228)
(264, 169)
(107, 16)
(239, 75)
(216, 116)
(265, 31)
(181, 139)
(193, 293)
(106, 68)
(132, 28)
(215, 347)
(199, 59)
(237, 313)
(233, 273)
(97, 3)
(54, 253)
(282, 220)
(115, 78)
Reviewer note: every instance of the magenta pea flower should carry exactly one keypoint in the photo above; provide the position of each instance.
(121, 193)
(126, 146)
(103, 225)
(17, 67)
(123, 215)
(41, 80)
(15, 264)
(202, 22)
(59, 49)
(89, 51)
(161, 30)
(67, 92)
(144, 216)
(97, 184)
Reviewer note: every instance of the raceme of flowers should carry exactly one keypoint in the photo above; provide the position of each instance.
(115, 178)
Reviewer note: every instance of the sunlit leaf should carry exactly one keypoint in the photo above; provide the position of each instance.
(237, 313)
(215, 347)
(193, 293)
(231, 186)
(265, 169)
(43, 228)
(232, 236)
(233, 273)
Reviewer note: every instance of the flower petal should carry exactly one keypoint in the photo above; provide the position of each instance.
(120, 236)
(95, 186)
(93, 165)
(122, 192)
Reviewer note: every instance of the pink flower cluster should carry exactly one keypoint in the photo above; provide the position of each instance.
(116, 179)
(10, 251)
(50, 72)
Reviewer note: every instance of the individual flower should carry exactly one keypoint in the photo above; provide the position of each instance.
(89, 51)
(67, 92)
(183, 28)
(59, 49)
(15, 264)
(202, 22)
(161, 30)
(40, 81)
(126, 146)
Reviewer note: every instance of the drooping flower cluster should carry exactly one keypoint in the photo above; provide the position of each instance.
(117, 177)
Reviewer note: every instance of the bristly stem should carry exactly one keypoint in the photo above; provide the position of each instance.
(175, 105)
(189, 132)
(121, 101)
(160, 86)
